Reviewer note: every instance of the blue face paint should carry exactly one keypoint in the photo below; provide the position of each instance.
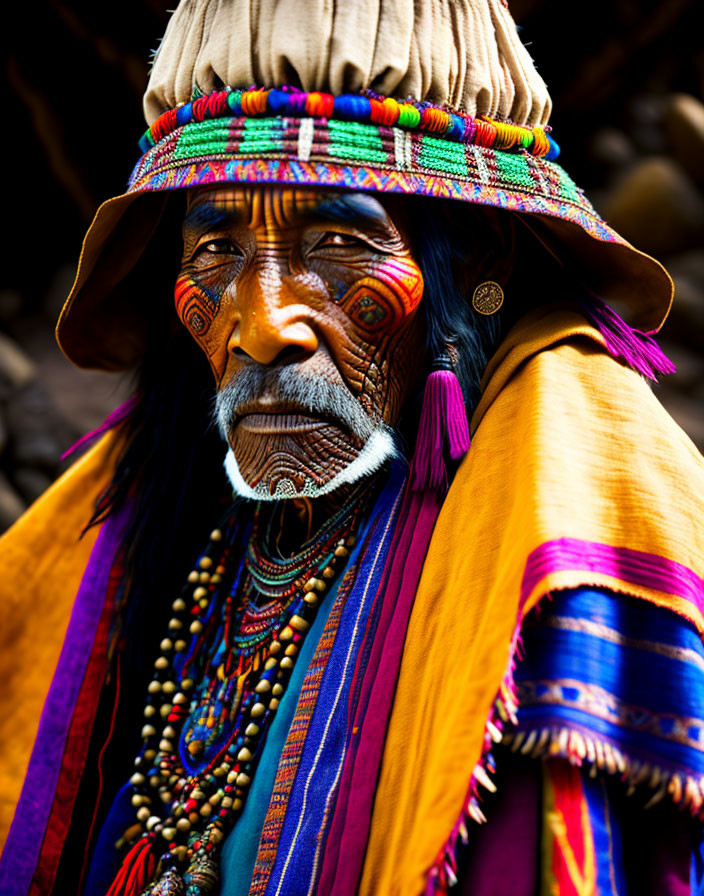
(359, 209)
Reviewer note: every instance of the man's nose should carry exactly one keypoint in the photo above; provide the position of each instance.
(272, 321)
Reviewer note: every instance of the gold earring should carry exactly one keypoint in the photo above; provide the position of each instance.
(488, 297)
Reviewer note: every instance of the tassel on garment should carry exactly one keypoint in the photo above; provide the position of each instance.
(639, 350)
(443, 427)
(136, 871)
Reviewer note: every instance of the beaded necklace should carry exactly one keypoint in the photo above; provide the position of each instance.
(231, 646)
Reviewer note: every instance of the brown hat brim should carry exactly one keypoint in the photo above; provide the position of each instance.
(104, 322)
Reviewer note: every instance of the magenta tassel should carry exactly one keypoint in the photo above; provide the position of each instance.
(443, 424)
(639, 350)
(113, 419)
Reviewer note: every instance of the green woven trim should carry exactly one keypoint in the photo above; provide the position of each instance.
(514, 169)
(262, 135)
(353, 140)
(203, 138)
(441, 155)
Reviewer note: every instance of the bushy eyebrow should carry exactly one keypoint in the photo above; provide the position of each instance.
(351, 210)
(207, 216)
(358, 210)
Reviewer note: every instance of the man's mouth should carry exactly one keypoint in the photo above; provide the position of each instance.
(278, 419)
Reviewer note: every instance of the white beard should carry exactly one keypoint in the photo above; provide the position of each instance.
(377, 450)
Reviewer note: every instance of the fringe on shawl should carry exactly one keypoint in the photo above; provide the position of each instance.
(443, 872)
(685, 791)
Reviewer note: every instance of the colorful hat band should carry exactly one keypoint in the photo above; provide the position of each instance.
(202, 145)
(368, 108)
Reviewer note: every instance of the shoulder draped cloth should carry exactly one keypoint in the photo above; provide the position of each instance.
(42, 558)
(576, 476)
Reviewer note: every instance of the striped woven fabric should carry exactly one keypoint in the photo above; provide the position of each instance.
(293, 748)
(618, 684)
(359, 155)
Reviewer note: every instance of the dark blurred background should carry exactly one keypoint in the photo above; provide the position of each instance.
(627, 79)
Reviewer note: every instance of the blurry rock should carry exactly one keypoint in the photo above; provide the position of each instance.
(686, 321)
(31, 483)
(684, 126)
(38, 431)
(83, 397)
(689, 364)
(688, 414)
(611, 149)
(657, 207)
(698, 395)
(11, 505)
(16, 369)
(688, 264)
(645, 125)
(11, 305)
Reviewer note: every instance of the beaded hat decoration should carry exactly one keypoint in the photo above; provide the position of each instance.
(436, 98)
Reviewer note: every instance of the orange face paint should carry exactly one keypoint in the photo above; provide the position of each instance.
(325, 281)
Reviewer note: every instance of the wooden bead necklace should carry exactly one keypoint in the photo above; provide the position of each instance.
(219, 678)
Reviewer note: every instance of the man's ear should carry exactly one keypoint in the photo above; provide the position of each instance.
(491, 247)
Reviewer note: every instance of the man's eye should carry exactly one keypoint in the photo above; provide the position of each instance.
(217, 247)
(340, 240)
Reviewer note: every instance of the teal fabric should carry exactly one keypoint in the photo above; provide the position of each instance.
(240, 849)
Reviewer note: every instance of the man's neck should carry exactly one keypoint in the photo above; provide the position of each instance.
(301, 518)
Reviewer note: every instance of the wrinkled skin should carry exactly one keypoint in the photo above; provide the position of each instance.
(318, 286)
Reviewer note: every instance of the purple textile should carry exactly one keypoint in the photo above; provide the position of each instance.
(113, 419)
(346, 843)
(24, 842)
(502, 853)
(638, 567)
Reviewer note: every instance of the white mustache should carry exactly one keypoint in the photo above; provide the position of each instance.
(312, 394)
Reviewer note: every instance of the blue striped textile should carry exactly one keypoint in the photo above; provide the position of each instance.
(625, 675)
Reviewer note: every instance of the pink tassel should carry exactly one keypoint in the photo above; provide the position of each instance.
(443, 424)
(638, 349)
(113, 419)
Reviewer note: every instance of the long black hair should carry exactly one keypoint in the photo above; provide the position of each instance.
(458, 246)
(170, 468)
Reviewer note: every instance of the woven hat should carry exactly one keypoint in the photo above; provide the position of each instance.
(435, 98)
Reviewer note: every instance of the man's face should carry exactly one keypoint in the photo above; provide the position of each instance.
(306, 305)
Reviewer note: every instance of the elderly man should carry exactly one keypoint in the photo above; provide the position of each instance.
(397, 661)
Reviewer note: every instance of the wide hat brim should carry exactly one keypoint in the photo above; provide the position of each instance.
(105, 320)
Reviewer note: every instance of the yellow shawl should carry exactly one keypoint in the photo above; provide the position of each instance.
(567, 443)
(42, 560)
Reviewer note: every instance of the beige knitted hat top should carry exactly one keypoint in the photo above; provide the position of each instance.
(435, 98)
(466, 55)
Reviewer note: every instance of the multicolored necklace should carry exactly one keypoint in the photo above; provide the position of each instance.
(223, 668)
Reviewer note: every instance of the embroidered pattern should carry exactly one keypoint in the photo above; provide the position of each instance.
(529, 185)
(616, 684)
(361, 143)
(600, 703)
(291, 754)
